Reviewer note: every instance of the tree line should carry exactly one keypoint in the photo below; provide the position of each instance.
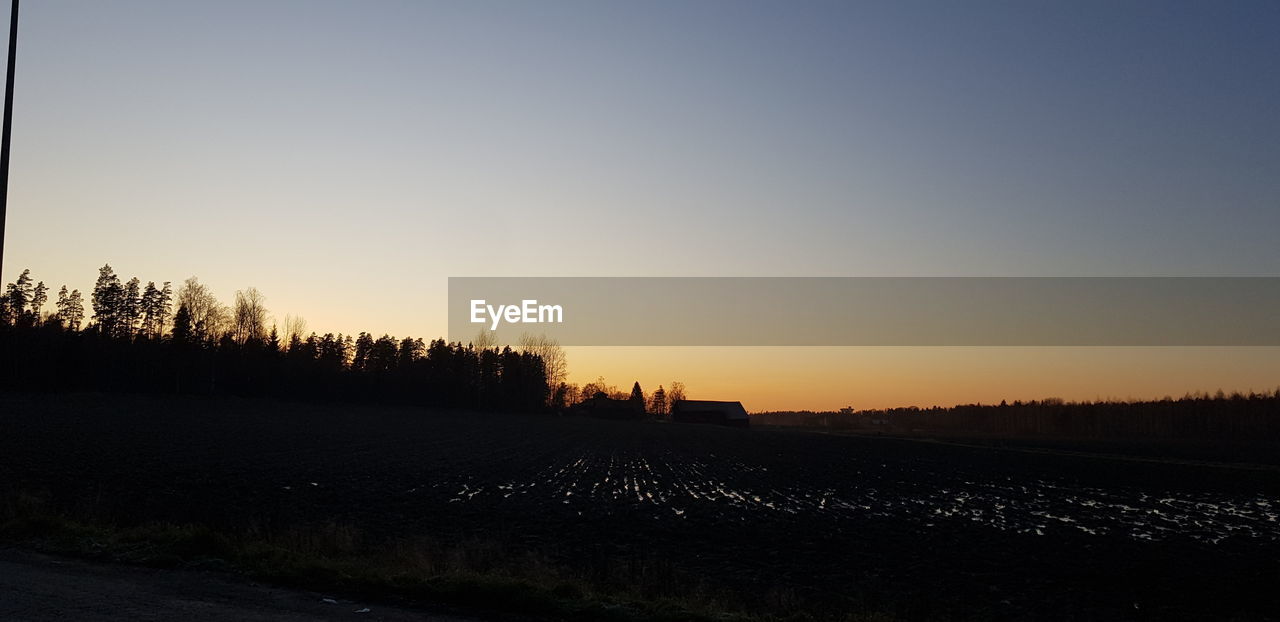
(147, 338)
(656, 404)
(1252, 416)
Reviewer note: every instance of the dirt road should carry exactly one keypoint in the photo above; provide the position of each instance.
(39, 587)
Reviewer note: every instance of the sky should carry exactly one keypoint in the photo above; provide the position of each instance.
(346, 158)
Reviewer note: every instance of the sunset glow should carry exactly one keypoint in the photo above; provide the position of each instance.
(469, 139)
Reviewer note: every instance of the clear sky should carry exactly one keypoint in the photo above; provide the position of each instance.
(347, 157)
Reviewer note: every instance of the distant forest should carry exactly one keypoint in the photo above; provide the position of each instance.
(1251, 417)
(129, 337)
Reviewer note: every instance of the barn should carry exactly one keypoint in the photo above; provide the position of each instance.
(708, 411)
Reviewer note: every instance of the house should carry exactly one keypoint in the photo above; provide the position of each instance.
(707, 411)
(601, 405)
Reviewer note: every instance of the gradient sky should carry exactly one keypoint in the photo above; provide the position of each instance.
(347, 157)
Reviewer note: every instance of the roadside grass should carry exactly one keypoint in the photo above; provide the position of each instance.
(475, 575)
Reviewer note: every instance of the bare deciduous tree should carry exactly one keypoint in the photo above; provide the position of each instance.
(294, 326)
(599, 385)
(553, 359)
(208, 316)
(485, 340)
(675, 393)
(250, 318)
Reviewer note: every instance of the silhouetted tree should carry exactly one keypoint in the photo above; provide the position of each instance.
(39, 296)
(128, 351)
(155, 307)
(552, 355)
(131, 304)
(485, 340)
(572, 394)
(658, 403)
(410, 351)
(294, 327)
(382, 357)
(250, 318)
(61, 305)
(332, 352)
(598, 386)
(675, 393)
(310, 350)
(73, 312)
(183, 330)
(70, 309)
(108, 303)
(294, 349)
(208, 316)
(360, 356)
(17, 296)
(560, 396)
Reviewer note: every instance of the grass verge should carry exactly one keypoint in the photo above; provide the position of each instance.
(477, 576)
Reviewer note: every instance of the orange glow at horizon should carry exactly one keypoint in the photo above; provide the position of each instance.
(832, 378)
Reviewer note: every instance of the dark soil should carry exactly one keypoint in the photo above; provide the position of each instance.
(773, 520)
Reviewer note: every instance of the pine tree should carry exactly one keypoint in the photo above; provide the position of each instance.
(75, 310)
(154, 307)
(636, 394)
(364, 346)
(329, 350)
(39, 296)
(295, 345)
(310, 348)
(382, 356)
(131, 306)
(18, 295)
(410, 350)
(108, 295)
(165, 304)
(183, 330)
(348, 347)
(150, 311)
(61, 305)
